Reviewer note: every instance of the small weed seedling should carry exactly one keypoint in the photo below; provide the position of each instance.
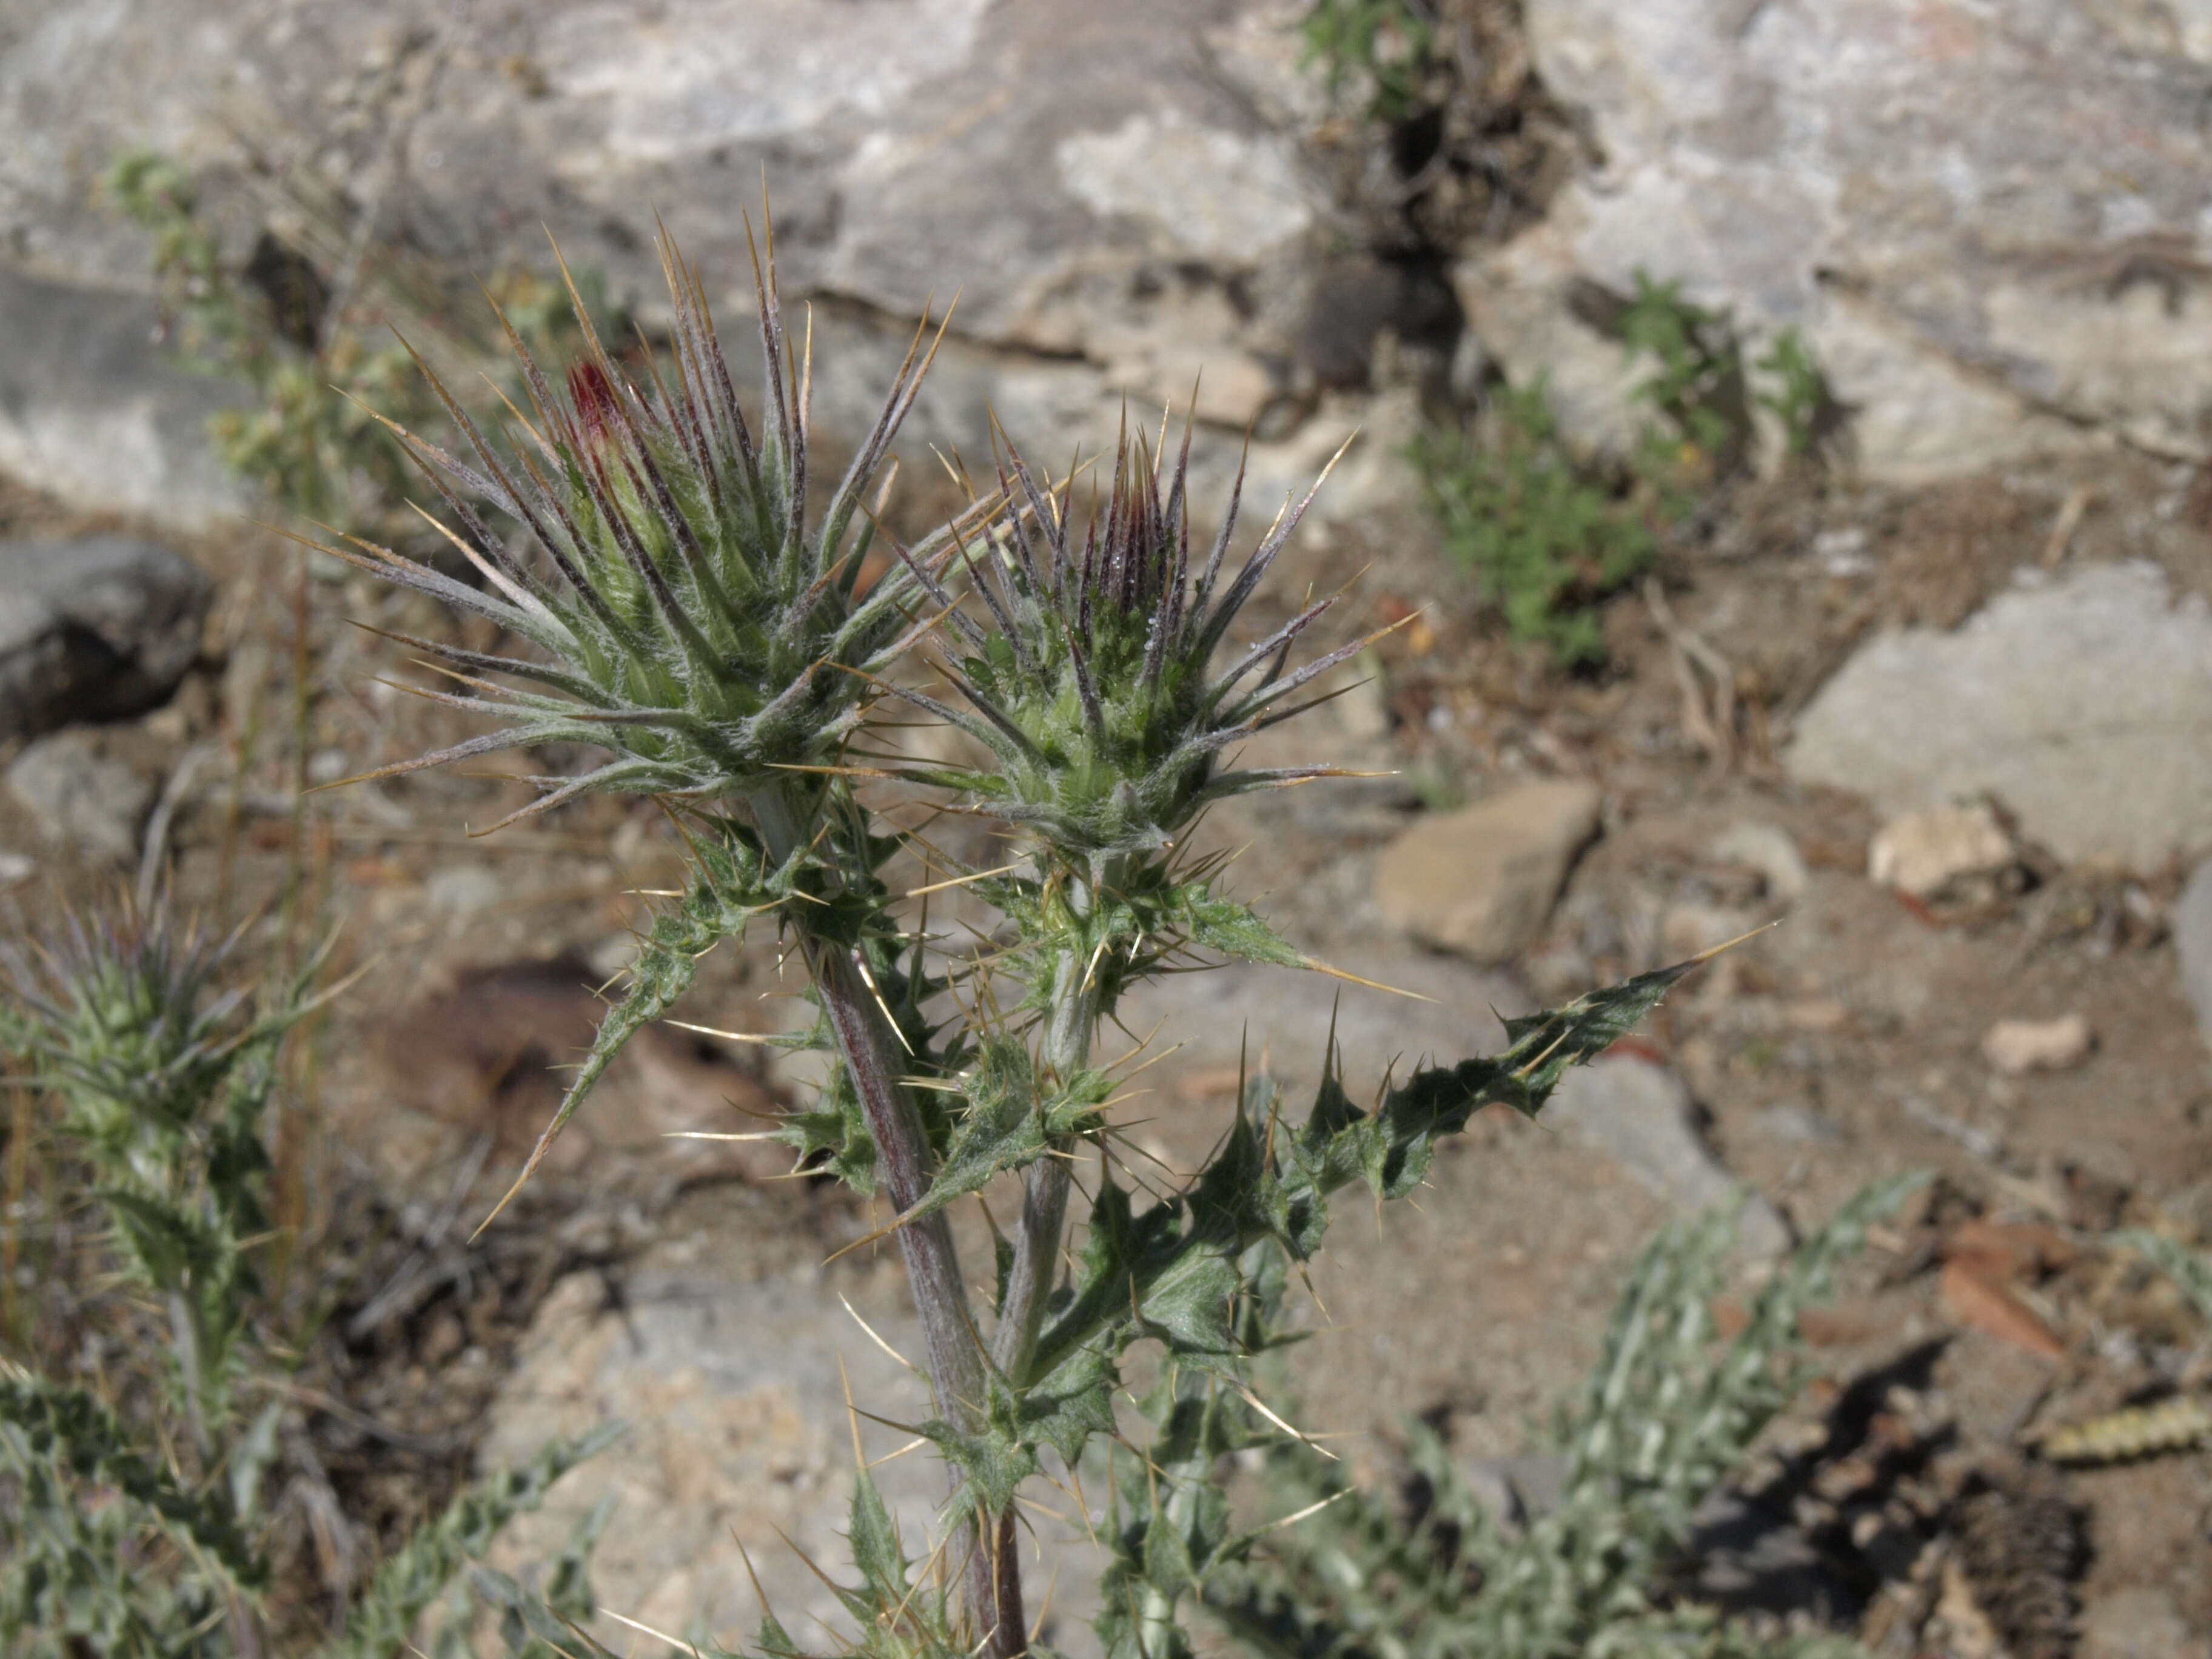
(1545, 534)
(1382, 46)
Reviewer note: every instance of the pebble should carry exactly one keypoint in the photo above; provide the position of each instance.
(462, 889)
(1921, 853)
(1482, 880)
(2018, 1046)
(1771, 851)
(80, 797)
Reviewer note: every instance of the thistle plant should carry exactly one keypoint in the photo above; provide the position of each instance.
(141, 1528)
(674, 603)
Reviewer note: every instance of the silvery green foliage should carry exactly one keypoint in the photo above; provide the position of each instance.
(1666, 1413)
(146, 1539)
(685, 612)
(384, 1615)
(101, 1547)
(165, 1067)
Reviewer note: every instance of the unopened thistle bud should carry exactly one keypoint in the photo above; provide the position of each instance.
(1097, 690)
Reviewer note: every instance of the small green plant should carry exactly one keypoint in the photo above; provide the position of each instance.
(1696, 386)
(1546, 535)
(316, 362)
(1799, 395)
(1543, 539)
(137, 1529)
(1667, 1413)
(679, 605)
(1384, 46)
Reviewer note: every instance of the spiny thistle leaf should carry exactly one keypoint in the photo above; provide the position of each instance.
(70, 1429)
(728, 887)
(1173, 1273)
(877, 1552)
(382, 1620)
(1012, 1118)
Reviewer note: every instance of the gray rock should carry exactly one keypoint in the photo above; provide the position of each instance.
(2084, 706)
(93, 629)
(81, 798)
(1108, 234)
(93, 411)
(735, 1393)
(1482, 880)
(1769, 849)
(2193, 943)
(1928, 194)
(1640, 1114)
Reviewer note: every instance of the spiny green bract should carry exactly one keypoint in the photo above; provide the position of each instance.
(1094, 693)
(688, 617)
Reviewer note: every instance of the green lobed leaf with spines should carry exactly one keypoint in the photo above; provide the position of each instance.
(384, 1615)
(1174, 1273)
(67, 1429)
(1667, 1412)
(1010, 1118)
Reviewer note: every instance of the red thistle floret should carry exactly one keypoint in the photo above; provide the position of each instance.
(1095, 689)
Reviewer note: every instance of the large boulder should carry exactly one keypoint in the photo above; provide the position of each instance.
(1117, 195)
(1988, 222)
(2084, 705)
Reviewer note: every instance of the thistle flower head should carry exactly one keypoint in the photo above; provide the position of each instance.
(1097, 691)
(687, 615)
(129, 1019)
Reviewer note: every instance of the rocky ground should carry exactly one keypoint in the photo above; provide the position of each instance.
(1944, 746)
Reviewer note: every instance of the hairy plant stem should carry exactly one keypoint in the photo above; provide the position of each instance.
(1067, 1050)
(1076, 1008)
(873, 1056)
